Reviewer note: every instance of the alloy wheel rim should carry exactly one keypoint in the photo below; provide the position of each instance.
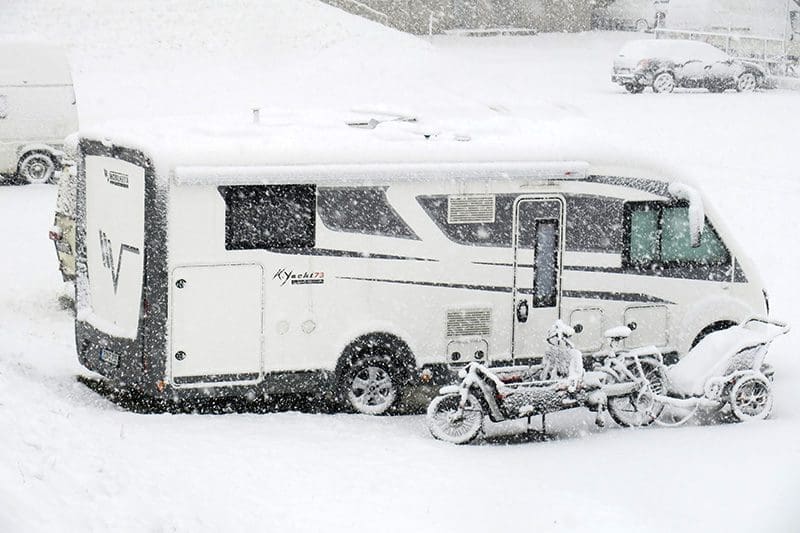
(372, 388)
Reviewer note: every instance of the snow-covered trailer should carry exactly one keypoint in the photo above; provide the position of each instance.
(271, 259)
(37, 110)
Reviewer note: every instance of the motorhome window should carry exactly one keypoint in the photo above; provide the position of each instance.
(676, 240)
(661, 234)
(545, 281)
(644, 236)
(497, 233)
(269, 216)
(361, 210)
(3, 106)
(594, 224)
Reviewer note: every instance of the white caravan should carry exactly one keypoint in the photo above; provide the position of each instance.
(273, 260)
(37, 110)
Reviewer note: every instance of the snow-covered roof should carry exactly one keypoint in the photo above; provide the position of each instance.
(33, 63)
(324, 145)
(674, 49)
(233, 149)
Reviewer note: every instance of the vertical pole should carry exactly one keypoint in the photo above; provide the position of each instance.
(787, 27)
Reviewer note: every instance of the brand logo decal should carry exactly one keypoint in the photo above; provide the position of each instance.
(285, 276)
(120, 179)
(108, 257)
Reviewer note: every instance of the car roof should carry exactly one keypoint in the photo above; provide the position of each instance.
(676, 49)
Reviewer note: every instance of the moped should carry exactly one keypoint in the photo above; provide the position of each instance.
(506, 393)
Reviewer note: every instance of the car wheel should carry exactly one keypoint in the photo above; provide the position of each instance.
(746, 83)
(664, 83)
(371, 385)
(36, 168)
(634, 88)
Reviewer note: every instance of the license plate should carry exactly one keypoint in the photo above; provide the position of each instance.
(109, 357)
(63, 247)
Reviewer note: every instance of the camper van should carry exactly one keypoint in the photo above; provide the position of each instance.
(37, 110)
(279, 260)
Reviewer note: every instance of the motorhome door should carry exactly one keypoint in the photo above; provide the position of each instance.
(538, 238)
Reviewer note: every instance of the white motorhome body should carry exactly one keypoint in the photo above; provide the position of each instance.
(218, 266)
(37, 110)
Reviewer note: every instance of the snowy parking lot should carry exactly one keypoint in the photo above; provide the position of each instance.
(74, 461)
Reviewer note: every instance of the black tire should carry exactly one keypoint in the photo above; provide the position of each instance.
(371, 385)
(636, 409)
(747, 82)
(634, 88)
(664, 83)
(36, 168)
(444, 425)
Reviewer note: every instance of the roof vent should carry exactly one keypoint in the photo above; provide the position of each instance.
(471, 209)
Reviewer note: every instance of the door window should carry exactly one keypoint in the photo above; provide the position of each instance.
(545, 277)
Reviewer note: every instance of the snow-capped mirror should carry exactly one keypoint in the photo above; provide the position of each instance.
(697, 216)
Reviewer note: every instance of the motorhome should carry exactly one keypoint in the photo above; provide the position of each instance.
(275, 259)
(37, 110)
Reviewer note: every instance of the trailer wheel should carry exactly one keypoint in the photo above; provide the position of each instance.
(751, 398)
(36, 168)
(371, 385)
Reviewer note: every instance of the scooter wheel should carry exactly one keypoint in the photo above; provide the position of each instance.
(446, 422)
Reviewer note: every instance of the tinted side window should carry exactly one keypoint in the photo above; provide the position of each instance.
(594, 224)
(269, 216)
(497, 233)
(659, 234)
(676, 243)
(361, 210)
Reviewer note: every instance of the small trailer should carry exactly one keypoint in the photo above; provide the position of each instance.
(267, 258)
(37, 110)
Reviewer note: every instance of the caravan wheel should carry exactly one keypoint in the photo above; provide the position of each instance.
(36, 168)
(370, 386)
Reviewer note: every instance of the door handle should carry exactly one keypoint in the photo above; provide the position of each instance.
(522, 311)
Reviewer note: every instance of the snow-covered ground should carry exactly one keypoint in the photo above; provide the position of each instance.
(72, 461)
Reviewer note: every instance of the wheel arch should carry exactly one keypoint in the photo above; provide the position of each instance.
(378, 342)
(39, 148)
(704, 317)
(711, 328)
